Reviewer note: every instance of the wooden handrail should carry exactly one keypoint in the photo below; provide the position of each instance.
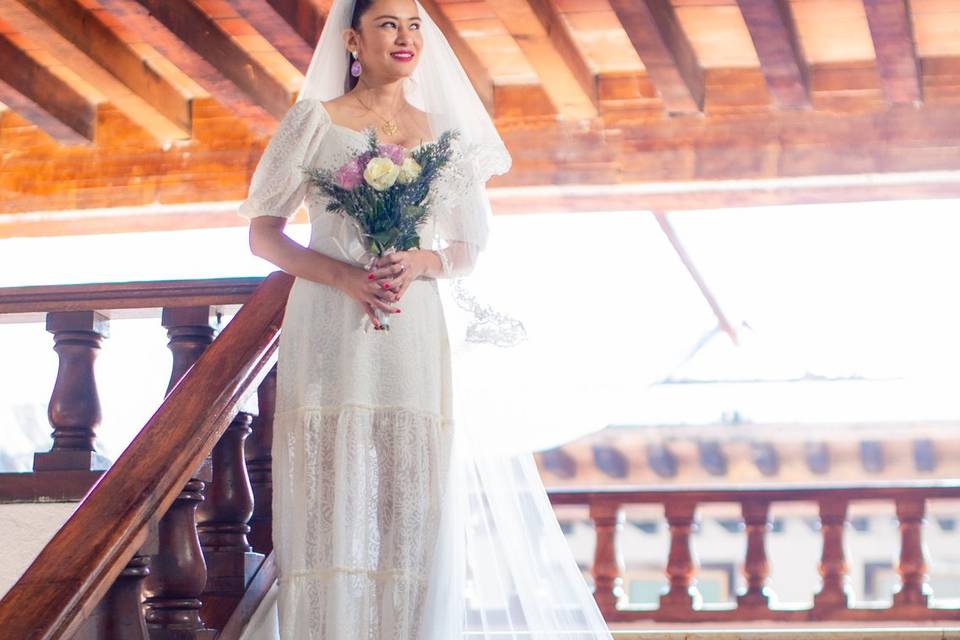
(922, 489)
(29, 304)
(73, 572)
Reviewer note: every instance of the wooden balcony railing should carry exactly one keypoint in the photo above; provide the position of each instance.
(680, 603)
(147, 553)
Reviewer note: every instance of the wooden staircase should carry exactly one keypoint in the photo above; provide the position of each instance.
(167, 542)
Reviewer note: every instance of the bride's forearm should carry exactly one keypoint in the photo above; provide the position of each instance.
(300, 261)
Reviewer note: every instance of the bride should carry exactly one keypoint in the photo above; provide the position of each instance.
(391, 517)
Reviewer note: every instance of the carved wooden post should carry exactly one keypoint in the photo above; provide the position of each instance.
(222, 525)
(834, 592)
(607, 561)
(178, 570)
(190, 334)
(913, 591)
(756, 518)
(682, 595)
(178, 573)
(260, 463)
(118, 615)
(74, 410)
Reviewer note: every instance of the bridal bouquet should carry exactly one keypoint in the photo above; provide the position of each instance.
(385, 191)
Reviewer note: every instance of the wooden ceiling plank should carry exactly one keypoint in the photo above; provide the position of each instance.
(897, 61)
(775, 39)
(551, 49)
(659, 40)
(476, 70)
(123, 53)
(215, 30)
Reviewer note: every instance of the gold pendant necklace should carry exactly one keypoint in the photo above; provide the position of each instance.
(389, 126)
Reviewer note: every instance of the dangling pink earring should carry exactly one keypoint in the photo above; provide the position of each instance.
(355, 67)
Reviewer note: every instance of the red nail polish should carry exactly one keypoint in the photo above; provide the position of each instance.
(386, 286)
(397, 310)
(370, 277)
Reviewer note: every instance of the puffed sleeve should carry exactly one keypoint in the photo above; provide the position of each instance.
(462, 222)
(279, 185)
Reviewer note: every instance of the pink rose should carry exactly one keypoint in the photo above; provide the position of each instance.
(350, 175)
(395, 152)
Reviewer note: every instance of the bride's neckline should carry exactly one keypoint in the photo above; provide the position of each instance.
(364, 132)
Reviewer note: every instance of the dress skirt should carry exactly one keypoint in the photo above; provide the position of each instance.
(361, 452)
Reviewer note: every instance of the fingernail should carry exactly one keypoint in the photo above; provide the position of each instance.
(370, 277)
(397, 310)
(386, 286)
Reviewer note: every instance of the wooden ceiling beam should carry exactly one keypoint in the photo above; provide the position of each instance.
(775, 39)
(307, 17)
(659, 40)
(120, 51)
(219, 34)
(897, 62)
(59, 91)
(551, 49)
(474, 67)
(239, 117)
(26, 123)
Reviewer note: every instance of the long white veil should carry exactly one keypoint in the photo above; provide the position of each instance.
(503, 568)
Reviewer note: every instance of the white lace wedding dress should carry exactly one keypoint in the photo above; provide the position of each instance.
(373, 495)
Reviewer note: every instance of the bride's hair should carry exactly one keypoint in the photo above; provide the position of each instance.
(360, 7)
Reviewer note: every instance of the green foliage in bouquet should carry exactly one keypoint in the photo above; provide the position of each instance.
(388, 218)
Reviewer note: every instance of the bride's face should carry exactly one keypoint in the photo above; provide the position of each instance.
(390, 42)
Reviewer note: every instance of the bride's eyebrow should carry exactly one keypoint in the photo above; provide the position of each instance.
(396, 18)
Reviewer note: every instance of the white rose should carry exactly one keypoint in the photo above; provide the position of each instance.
(381, 173)
(409, 171)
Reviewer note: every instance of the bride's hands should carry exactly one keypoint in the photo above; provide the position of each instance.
(400, 268)
(371, 293)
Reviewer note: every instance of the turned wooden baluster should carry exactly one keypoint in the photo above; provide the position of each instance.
(74, 409)
(607, 561)
(260, 464)
(834, 591)
(118, 615)
(756, 518)
(913, 590)
(222, 525)
(682, 595)
(178, 571)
